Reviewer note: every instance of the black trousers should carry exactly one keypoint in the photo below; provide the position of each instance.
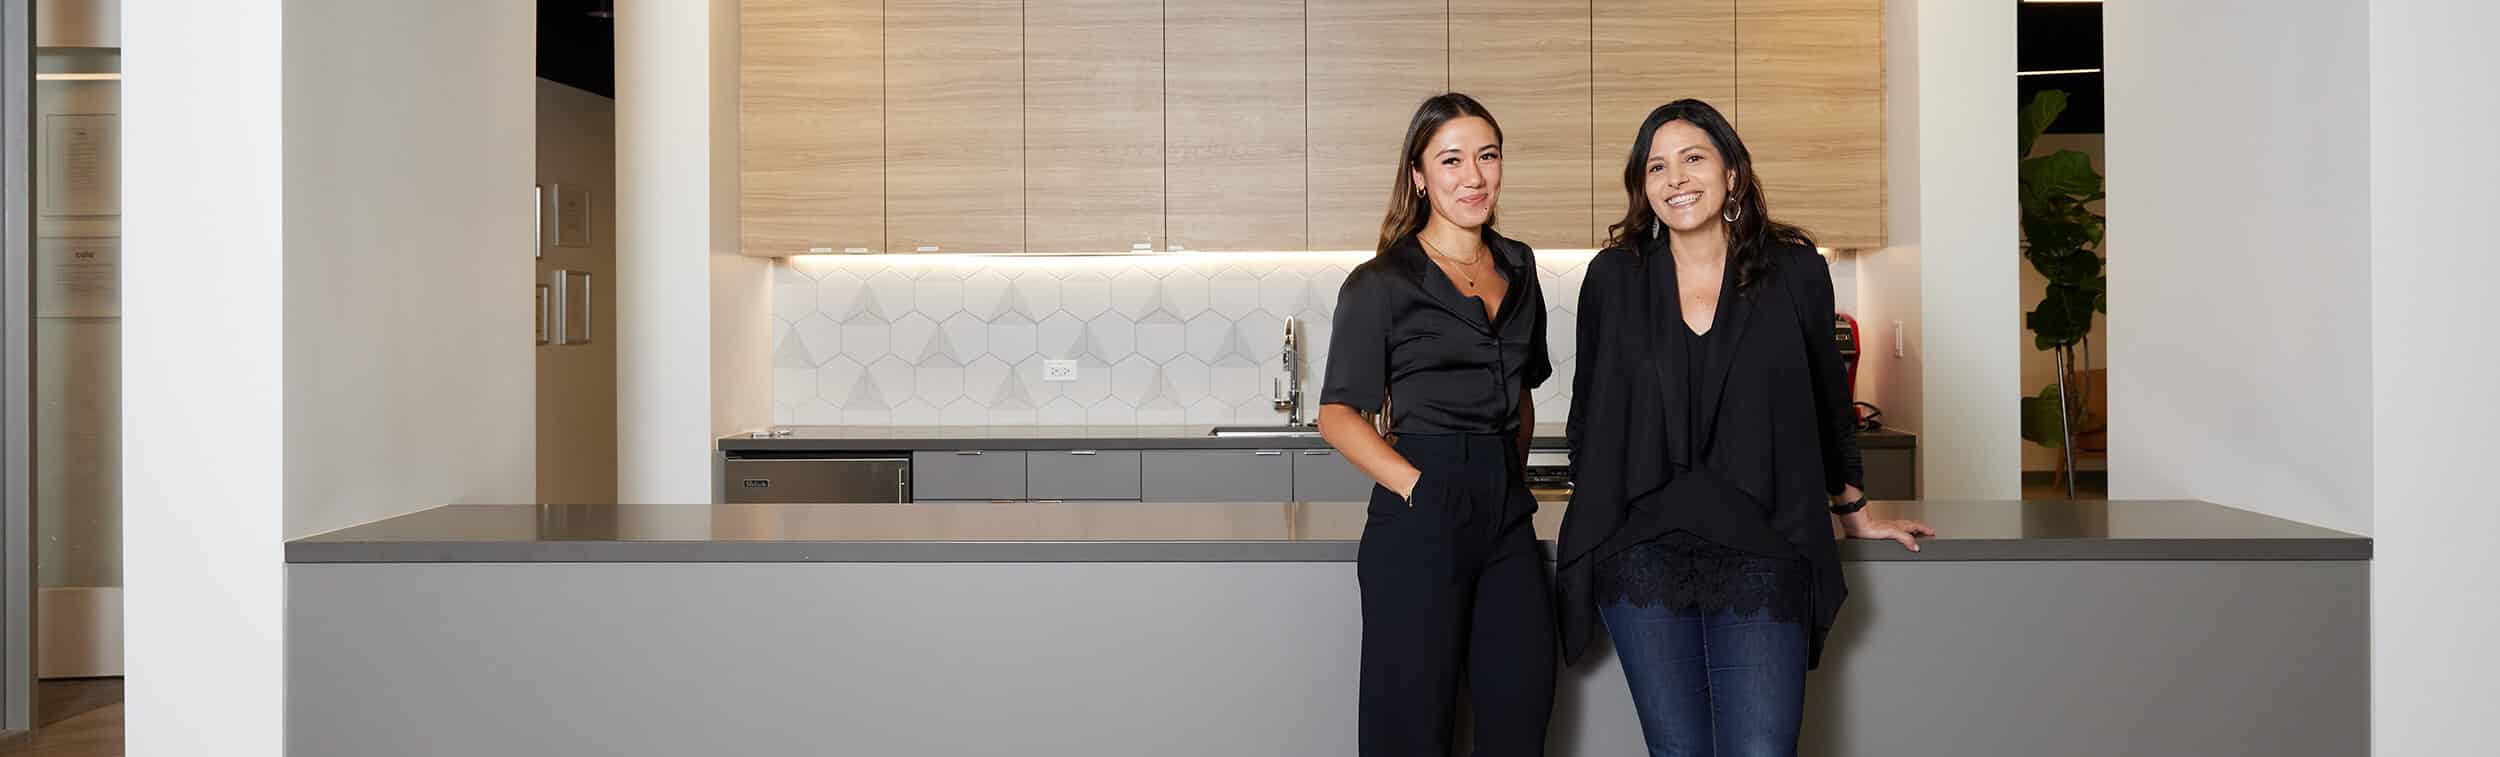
(1455, 588)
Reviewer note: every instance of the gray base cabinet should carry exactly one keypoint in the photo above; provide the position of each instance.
(976, 475)
(1081, 474)
(1322, 475)
(1229, 475)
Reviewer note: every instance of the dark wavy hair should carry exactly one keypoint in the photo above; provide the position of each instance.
(1409, 211)
(1750, 237)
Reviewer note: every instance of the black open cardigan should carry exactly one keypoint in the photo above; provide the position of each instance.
(1780, 431)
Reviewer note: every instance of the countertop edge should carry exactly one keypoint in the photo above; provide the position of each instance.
(1042, 443)
(2355, 549)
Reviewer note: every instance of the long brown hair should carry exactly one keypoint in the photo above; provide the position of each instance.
(1409, 211)
(1749, 236)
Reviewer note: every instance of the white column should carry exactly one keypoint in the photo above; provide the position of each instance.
(202, 394)
(1951, 273)
(2239, 318)
(742, 288)
(326, 315)
(692, 318)
(2434, 93)
(411, 136)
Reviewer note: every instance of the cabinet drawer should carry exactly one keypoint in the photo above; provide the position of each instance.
(1081, 474)
(980, 475)
(1322, 475)
(1217, 476)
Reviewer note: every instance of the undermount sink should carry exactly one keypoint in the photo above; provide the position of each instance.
(1220, 431)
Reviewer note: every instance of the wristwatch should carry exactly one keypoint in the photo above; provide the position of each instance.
(1850, 506)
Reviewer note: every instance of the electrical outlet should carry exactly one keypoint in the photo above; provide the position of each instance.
(1058, 371)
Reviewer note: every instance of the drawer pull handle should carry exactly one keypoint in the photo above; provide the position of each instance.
(1080, 452)
(1319, 452)
(757, 483)
(1270, 452)
(967, 452)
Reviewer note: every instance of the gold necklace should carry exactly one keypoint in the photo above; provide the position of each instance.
(1464, 268)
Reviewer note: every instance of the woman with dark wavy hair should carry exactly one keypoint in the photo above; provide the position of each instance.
(1447, 319)
(1712, 442)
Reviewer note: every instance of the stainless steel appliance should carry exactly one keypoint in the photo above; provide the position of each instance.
(815, 477)
(1549, 472)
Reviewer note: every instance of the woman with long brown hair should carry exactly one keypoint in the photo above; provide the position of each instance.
(1448, 319)
(1712, 442)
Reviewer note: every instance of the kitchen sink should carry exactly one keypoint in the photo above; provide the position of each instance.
(1296, 431)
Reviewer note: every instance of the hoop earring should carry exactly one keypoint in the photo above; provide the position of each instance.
(1732, 213)
(1419, 191)
(1653, 228)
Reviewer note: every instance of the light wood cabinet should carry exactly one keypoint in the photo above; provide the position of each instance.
(954, 125)
(811, 132)
(1528, 62)
(1099, 125)
(1648, 53)
(1234, 118)
(1093, 124)
(1810, 92)
(1370, 63)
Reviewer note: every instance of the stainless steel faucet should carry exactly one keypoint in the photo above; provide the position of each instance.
(1289, 382)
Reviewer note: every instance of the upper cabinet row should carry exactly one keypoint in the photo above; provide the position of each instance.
(1109, 125)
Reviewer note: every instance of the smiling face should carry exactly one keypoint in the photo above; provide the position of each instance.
(1460, 170)
(1686, 179)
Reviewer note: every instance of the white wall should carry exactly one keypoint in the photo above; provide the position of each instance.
(410, 136)
(742, 287)
(1949, 275)
(2434, 92)
(693, 322)
(2239, 322)
(325, 313)
(203, 454)
(1887, 280)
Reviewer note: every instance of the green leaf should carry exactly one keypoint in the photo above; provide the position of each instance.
(2064, 172)
(2062, 235)
(2078, 269)
(2063, 318)
(2037, 116)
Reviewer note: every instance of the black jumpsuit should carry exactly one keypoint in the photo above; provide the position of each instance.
(1453, 584)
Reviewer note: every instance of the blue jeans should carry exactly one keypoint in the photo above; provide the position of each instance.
(1712, 684)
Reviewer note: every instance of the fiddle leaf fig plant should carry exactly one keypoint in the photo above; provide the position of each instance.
(2061, 234)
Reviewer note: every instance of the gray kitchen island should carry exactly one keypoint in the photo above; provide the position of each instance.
(1150, 628)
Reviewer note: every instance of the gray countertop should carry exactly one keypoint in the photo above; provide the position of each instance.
(911, 438)
(1233, 532)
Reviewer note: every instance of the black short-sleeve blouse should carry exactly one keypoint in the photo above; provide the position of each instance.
(1403, 330)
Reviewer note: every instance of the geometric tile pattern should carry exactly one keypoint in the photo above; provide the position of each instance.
(1158, 339)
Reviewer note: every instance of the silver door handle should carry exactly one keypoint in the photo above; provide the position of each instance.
(1269, 452)
(967, 452)
(1319, 452)
(1080, 452)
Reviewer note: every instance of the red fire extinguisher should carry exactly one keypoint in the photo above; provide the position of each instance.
(1845, 335)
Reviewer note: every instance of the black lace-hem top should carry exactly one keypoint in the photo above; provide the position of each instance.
(1686, 571)
(1689, 574)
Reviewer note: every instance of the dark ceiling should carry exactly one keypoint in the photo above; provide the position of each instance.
(2061, 37)
(577, 44)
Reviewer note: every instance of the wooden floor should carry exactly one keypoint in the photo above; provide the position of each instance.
(78, 717)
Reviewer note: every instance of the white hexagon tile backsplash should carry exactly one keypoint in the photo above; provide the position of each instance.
(1158, 339)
